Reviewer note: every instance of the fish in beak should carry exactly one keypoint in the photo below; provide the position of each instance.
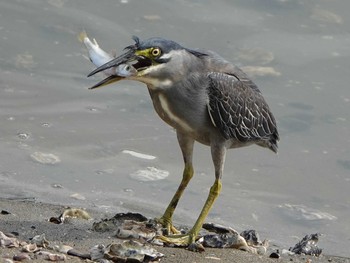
(115, 68)
(121, 69)
(130, 65)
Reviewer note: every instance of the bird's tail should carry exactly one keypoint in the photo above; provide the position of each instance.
(272, 143)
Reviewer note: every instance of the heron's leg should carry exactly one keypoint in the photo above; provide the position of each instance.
(218, 155)
(186, 145)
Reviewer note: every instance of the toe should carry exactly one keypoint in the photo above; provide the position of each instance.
(195, 247)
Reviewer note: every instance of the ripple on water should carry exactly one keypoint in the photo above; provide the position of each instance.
(23, 136)
(45, 158)
(149, 174)
(140, 155)
(46, 125)
(302, 212)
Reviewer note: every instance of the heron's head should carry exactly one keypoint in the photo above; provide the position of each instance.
(157, 62)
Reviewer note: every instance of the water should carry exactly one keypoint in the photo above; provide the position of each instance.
(62, 143)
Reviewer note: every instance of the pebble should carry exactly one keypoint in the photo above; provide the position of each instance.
(21, 257)
(4, 212)
(274, 255)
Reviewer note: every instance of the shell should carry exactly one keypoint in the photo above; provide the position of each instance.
(62, 248)
(228, 240)
(132, 250)
(136, 230)
(8, 242)
(103, 226)
(223, 237)
(97, 252)
(116, 221)
(56, 257)
(70, 212)
(252, 237)
(30, 248)
(51, 256)
(40, 240)
(308, 245)
(76, 213)
(226, 237)
(136, 226)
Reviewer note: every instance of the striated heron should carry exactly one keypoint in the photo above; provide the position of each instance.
(205, 99)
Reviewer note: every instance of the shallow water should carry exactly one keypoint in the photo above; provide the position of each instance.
(62, 143)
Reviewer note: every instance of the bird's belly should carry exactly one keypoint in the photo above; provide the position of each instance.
(200, 129)
(164, 111)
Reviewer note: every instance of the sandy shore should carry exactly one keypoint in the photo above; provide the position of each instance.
(30, 218)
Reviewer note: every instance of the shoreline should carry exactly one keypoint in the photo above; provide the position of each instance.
(30, 218)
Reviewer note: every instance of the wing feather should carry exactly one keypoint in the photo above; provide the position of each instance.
(238, 109)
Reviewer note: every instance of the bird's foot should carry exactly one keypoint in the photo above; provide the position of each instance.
(167, 224)
(186, 240)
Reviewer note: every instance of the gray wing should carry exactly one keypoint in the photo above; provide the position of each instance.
(238, 109)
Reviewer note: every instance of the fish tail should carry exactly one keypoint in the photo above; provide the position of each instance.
(95, 42)
(82, 35)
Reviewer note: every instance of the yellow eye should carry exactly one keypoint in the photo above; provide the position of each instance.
(155, 52)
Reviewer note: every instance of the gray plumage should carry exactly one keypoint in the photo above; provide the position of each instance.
(206, 99)
(205, 86)
(240, 112)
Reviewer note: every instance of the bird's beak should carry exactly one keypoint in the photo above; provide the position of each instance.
(124, 58)
(106, 81)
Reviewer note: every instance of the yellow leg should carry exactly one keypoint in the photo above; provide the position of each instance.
(190, 237)
(166, 219)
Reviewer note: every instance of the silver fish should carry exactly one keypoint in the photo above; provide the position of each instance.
(99, 57)
(125, 70)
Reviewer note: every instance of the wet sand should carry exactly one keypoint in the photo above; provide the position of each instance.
(61, 143)
(29, 218)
